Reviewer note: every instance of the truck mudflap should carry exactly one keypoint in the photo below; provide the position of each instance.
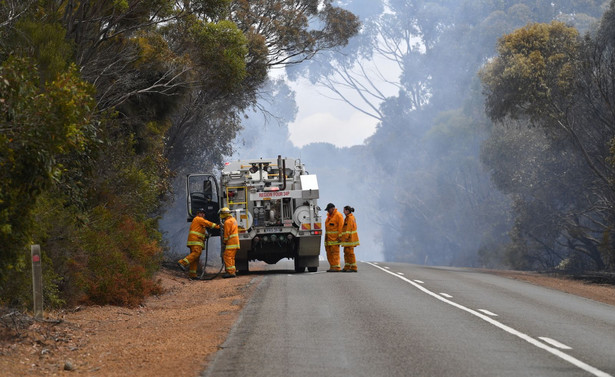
(309, 246)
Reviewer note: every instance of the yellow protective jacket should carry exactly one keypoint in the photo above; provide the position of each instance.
(350, 237)
(333, 228)
(198, 231)
(231, 233)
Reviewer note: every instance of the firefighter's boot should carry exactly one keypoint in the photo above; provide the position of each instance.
(183, 264)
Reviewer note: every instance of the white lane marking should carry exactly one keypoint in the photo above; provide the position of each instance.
(446, 295)
(307, 273)
(574, 361)
(420, 282)
(388, 268)
(555, 343)
(400, 273)
(487, 312)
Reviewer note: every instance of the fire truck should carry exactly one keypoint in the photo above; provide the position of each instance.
(275, 204)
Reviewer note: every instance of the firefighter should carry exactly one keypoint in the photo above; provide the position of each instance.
(196, 241)
(349, 240)
(230, 242)
(333, 231)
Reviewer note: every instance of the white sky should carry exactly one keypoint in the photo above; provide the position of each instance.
(321, 119)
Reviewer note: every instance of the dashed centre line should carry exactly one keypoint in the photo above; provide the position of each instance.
(555, 351)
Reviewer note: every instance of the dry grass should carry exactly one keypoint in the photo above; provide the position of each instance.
(172, 334)
(575, 285)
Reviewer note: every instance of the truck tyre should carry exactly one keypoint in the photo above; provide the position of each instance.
(242, 266)
(299, 267)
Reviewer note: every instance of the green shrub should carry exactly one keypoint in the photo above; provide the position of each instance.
(17, 290)
(117, 260)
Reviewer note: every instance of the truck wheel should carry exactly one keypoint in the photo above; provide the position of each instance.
(299, 266)
(242, 267)
(312, 269)
(299, 269)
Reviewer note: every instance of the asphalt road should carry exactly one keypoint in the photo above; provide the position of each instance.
(393, 319)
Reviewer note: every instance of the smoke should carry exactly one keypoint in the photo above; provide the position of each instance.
(420, 193)
(266, 134)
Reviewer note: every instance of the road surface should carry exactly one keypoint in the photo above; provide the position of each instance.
(395, 319)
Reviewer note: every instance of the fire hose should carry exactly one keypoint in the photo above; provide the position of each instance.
(203, 273)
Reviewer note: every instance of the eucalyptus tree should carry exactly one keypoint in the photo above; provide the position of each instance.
(278, 34)
(552, 80)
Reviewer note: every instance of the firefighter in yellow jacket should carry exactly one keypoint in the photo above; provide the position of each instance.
(333, 232)
(230, 242)
(349, 240)
(196, 242)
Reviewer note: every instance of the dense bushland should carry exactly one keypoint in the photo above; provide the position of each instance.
(101, 102)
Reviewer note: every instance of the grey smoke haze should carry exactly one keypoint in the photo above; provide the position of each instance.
(337, 169)
(419, 189)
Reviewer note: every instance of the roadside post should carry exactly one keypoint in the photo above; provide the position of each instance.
(37, 281)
